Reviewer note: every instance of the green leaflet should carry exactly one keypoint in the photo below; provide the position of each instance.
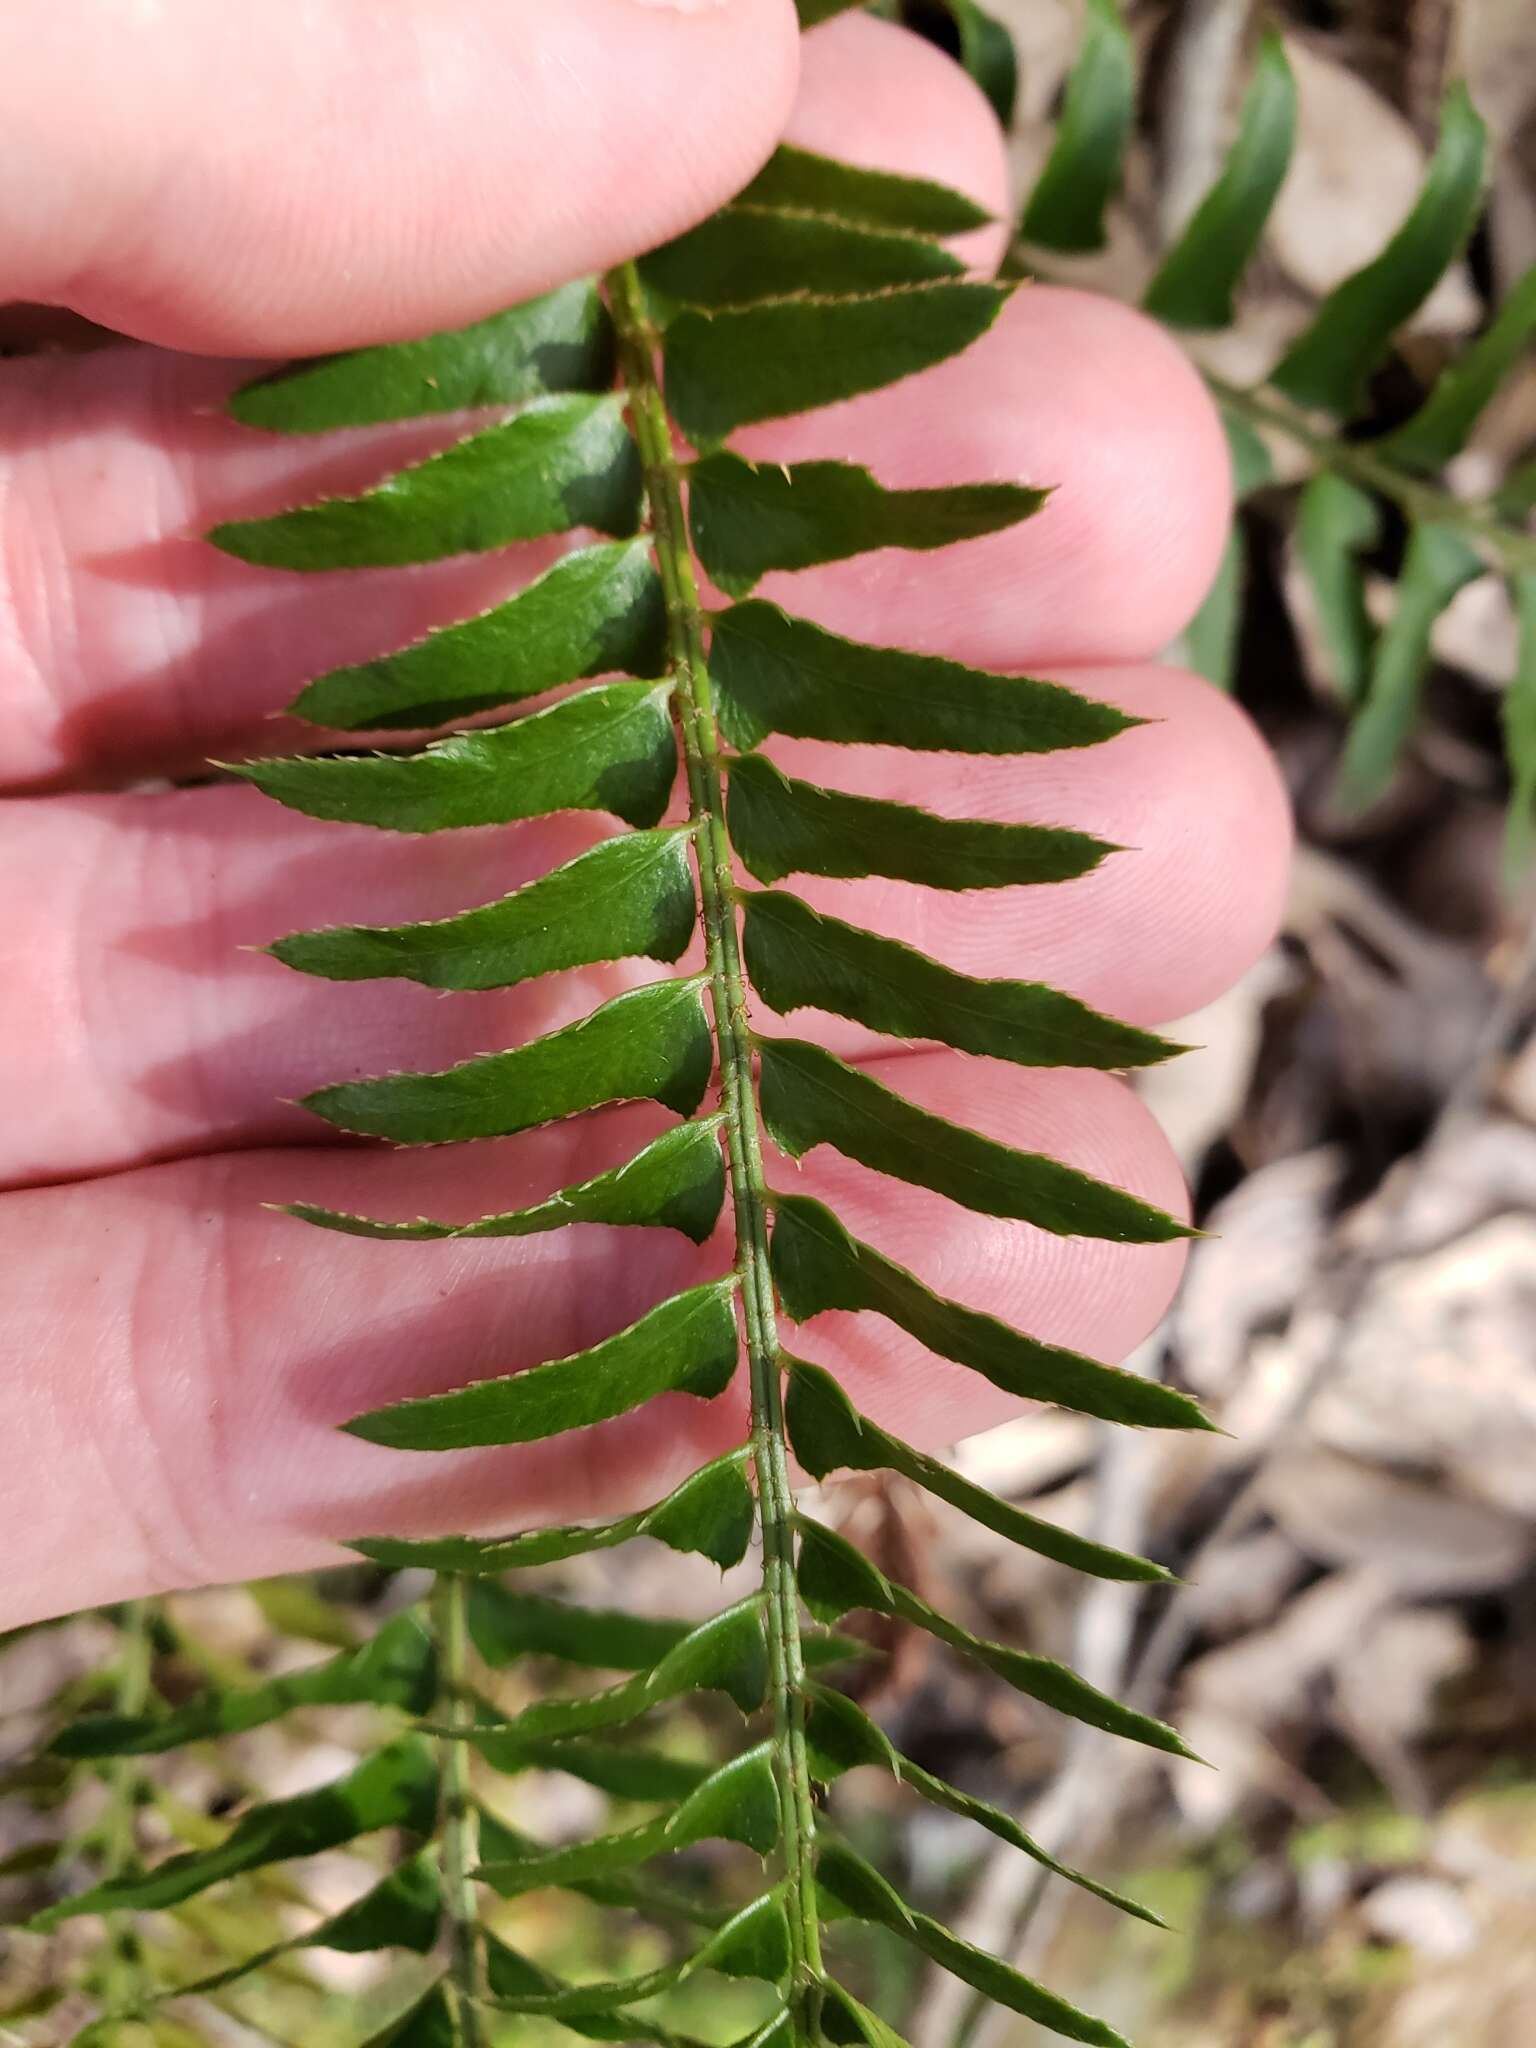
(1354, 326)
(727, 369)
(1336, 524)
(809, 1097)
(622, 1772)
(606, 749)
(398, 1668)
(625, 1890)
(402, 1910)
(737, 1803)
(818, 1266)
(649, 1042)
(427, 2024)
(829, 1434)
(841, 1737)
(753, 1943)
(396, 1787)
(783, 827)
(711, 1513)
(725, 1654)
(598, 611)
(774, 673)
(561, 342)
(843, 2019)
(505, 1625)
(750, 517)
(1519, 719)
(1082, 174)
(628, 897)
(801, 181)
(1441, 426)
(862, 1893)
(562, 462)
(835, 1579)
(797, 959)
(987, 52)
(745, 254)
(1199, 276)
(511, 1976)
(677, 1182)
(1437, 564)
(687, 1346)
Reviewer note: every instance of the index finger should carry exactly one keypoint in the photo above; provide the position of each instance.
(239, 180)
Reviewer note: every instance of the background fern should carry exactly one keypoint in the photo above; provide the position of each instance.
(1374, 493)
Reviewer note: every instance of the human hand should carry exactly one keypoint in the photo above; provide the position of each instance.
(177, 1357)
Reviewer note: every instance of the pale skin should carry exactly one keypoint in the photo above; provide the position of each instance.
(214, 186)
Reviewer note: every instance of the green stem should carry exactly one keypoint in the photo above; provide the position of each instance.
(460, 1828)
(639, 347)
(1422, 502)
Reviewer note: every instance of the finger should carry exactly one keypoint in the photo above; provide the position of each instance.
(133, 645)
(220, 179)
(139, 1029)
(180, 1359)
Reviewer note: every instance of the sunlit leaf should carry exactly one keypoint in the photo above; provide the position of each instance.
(750, 517)
(775, 673)
(598, 611)
(398, 1668)
(818, 1267)
(1196, 283)
(1082, 174)
(835, 1579)
(626, 898)
(747, 253)
(799, 959)
(649, 1043)
(686, 1346)
(610, 748)
(829, 1435)
(762, 362)
(625, 1891)
(783, 827)
(1438, 563)
(803, 182)
(395, 1787)
(809, 1097)
(562, 462)
(842, 1737)
(863, 1893)
(561, 342)
(711, 1513)
(677, 1182)
(1328, 366)
(622, 1772)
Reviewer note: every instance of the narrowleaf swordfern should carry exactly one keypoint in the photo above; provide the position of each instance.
(820, 281)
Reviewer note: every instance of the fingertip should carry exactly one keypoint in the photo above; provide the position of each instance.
(210, 185)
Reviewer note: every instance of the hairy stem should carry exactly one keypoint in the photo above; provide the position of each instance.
(701, 752)
(460, 1830)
